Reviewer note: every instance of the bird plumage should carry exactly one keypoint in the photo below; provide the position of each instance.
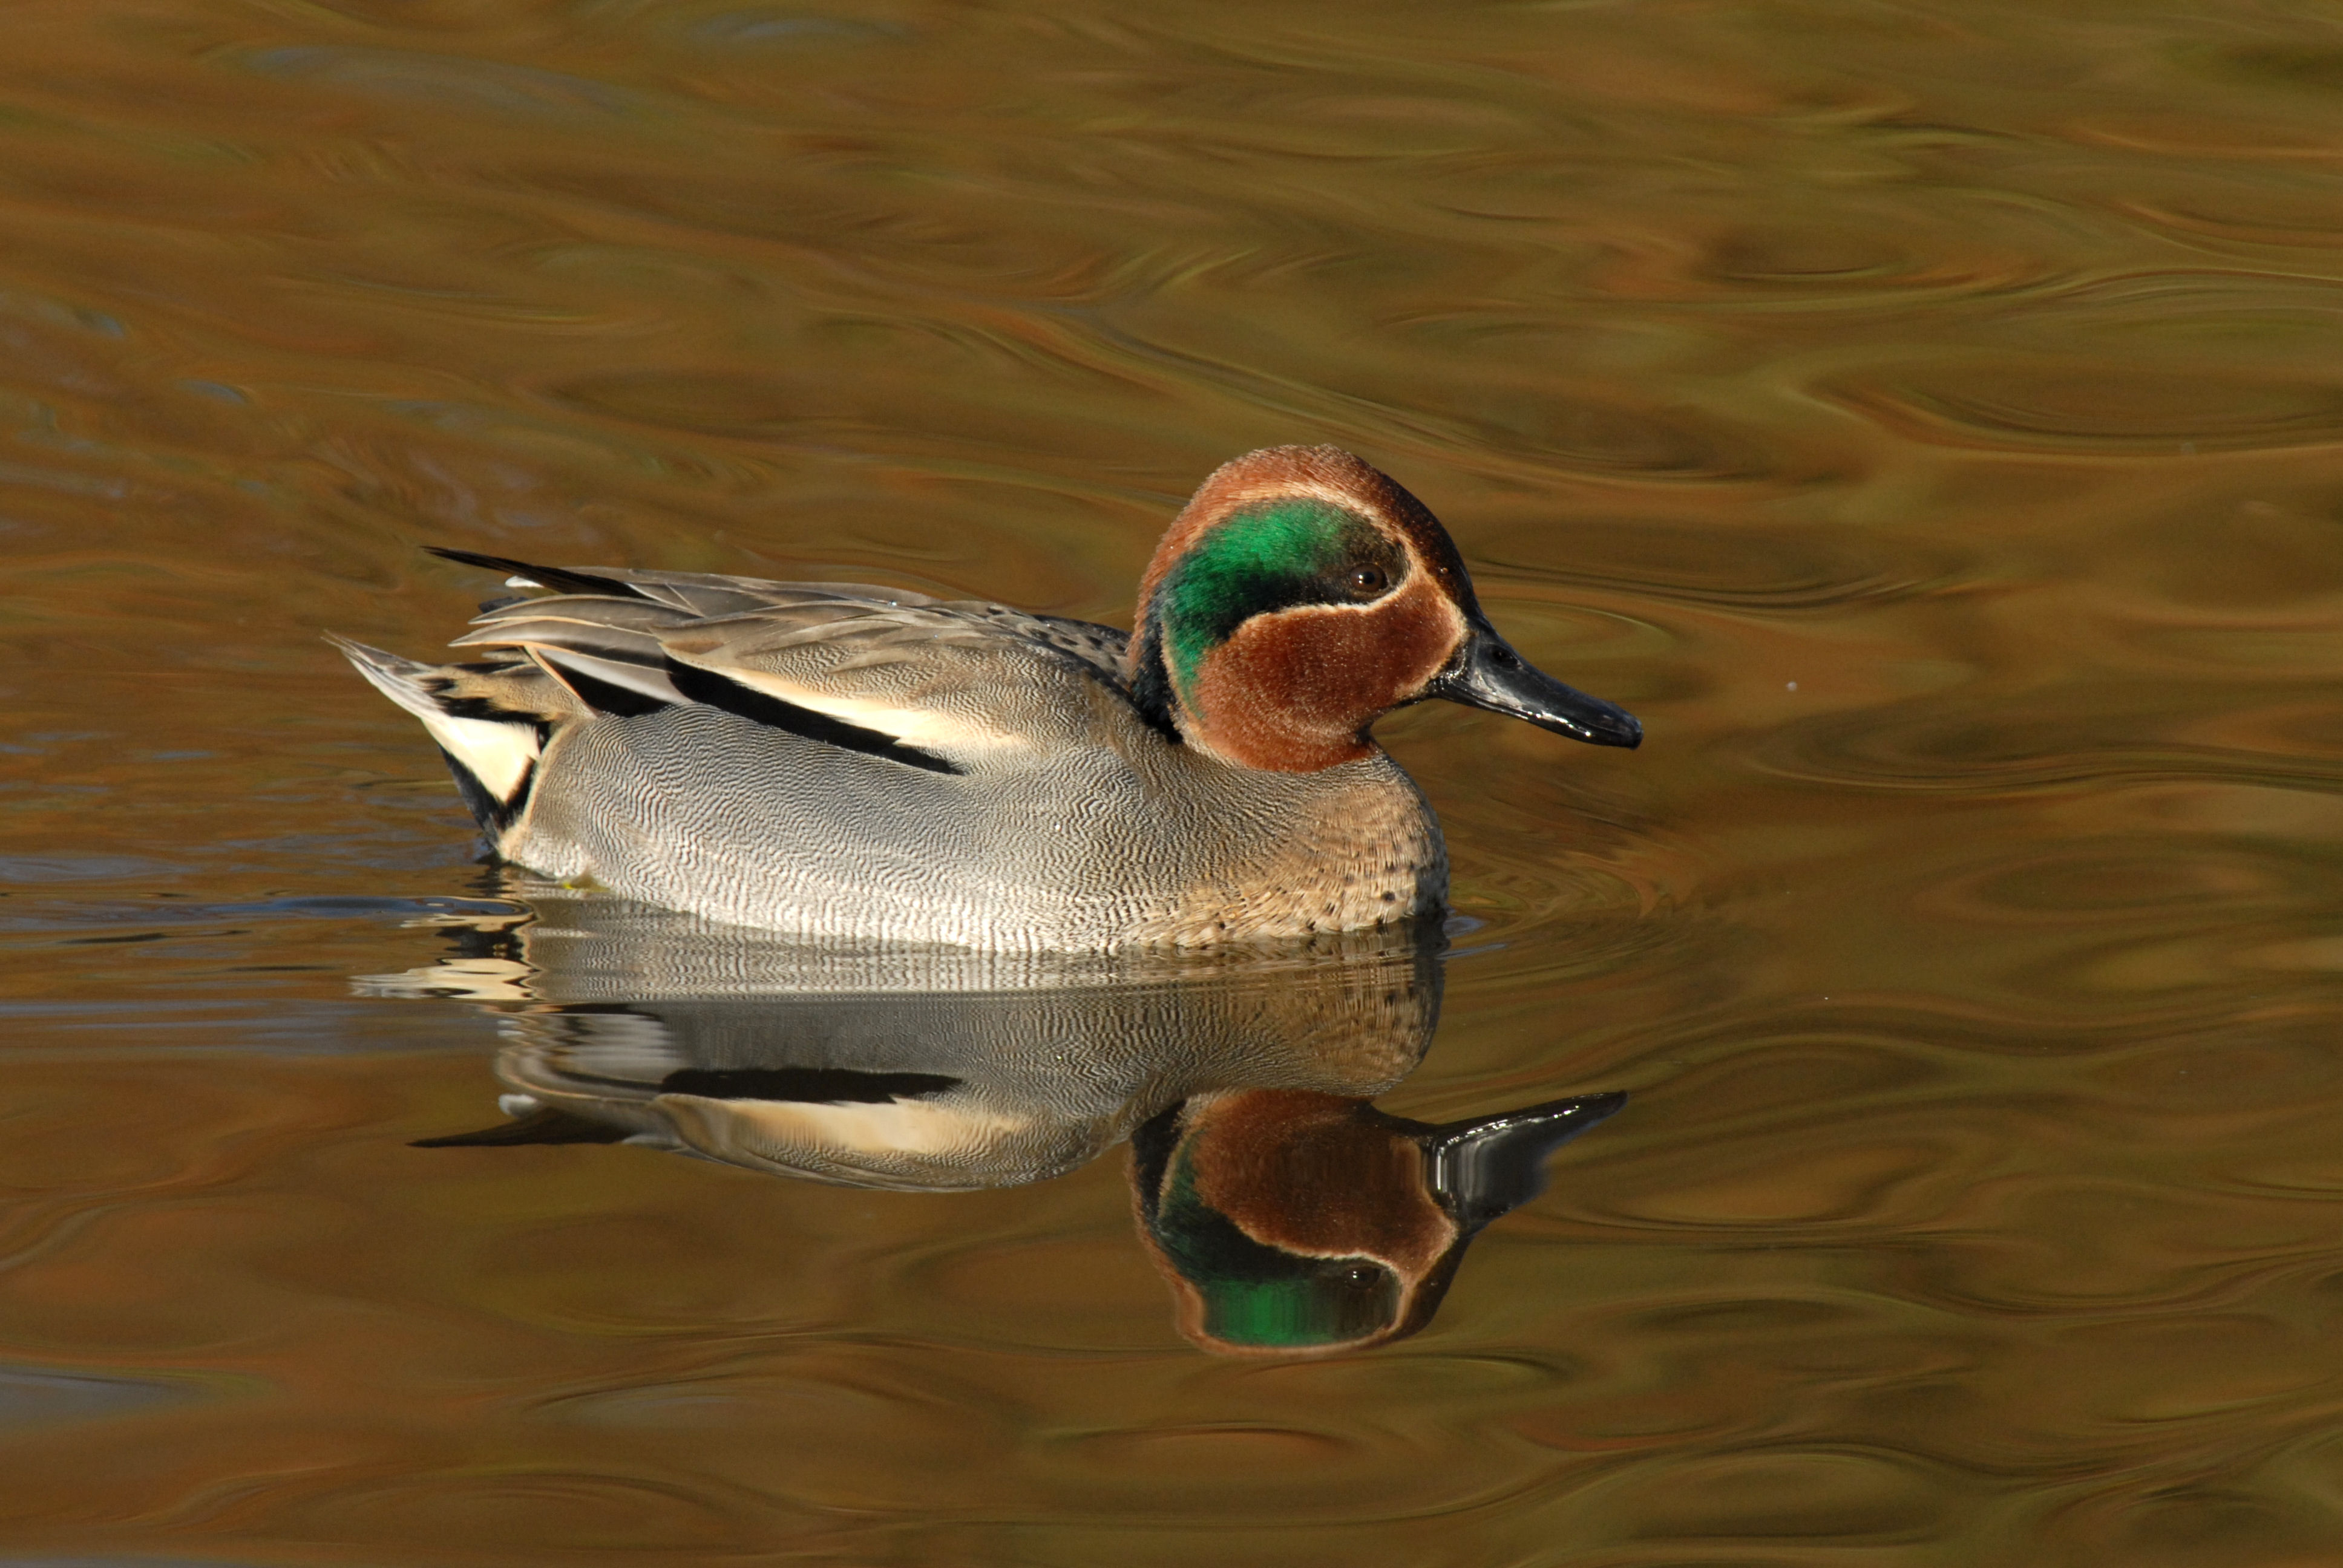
(840, 760)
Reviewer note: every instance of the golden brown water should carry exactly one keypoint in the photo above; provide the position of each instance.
(1928, 419)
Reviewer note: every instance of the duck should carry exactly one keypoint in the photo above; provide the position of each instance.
(843, 761)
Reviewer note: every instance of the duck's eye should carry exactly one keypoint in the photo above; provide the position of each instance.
(1368, 581)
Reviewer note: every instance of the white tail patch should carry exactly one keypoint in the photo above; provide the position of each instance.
(497, 752)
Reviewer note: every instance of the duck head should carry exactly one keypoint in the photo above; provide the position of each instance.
(1298, 1223)
(1301, 595)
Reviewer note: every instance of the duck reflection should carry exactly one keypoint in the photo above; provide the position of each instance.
(1292, 1221)
(1289, 1214)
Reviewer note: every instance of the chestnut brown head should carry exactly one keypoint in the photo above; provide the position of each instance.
(1300, 596)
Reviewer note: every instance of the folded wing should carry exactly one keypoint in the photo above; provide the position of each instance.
(935, 683)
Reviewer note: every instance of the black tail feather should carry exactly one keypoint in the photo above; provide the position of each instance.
(557, 578)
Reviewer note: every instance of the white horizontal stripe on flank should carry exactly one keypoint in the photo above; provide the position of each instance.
(635, 678)
(911, 1127)
(913, 726)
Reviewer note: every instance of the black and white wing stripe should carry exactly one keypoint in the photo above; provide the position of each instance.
(928, 683)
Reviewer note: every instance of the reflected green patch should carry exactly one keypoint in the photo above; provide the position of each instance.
(1259, 1296)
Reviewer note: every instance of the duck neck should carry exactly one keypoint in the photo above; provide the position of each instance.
(1244, 703)
(1150, 679)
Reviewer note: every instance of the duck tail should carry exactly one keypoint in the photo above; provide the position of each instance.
(491, 721)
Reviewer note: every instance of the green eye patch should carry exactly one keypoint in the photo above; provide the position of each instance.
(1270, 555)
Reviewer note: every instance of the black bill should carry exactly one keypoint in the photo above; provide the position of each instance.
(1487, 673)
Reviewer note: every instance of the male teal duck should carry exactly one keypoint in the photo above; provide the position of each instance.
(832, 760)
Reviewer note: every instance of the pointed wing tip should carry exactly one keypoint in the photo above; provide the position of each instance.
(475, 559)
(521, 574)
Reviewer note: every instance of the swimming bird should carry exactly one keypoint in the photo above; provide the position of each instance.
(837, 760)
